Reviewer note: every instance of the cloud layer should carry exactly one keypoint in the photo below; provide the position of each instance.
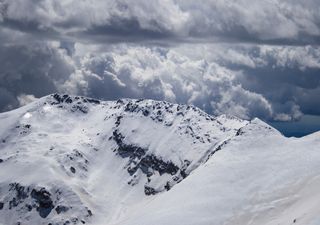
(244, 58)
(249, 21)
(37, 70)
(275, 83)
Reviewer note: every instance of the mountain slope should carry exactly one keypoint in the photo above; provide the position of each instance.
(259, 178)
(74, 160)
(90, 157)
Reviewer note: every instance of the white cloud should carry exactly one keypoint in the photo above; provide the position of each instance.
(168, 75)
(247, 81)
(26, 99)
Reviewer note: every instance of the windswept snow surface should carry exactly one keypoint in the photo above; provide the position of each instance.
(74, 160)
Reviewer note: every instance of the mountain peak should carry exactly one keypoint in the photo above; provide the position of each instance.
(78, 147)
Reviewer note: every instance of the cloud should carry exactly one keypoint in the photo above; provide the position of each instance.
(274, 83)
(164, 74)
(270, 82)
(8, 101)
(255, 21)
(95, 20)
(167, 22)
(286, 76)
(245, 58)
(26, 99)
(35, 70)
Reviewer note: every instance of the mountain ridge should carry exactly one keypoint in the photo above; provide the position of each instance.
(144, 161)
(77, 160)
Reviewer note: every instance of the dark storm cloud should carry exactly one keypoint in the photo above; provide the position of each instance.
(33, 70)
(269, 22)
(124, 30)
(287, 76)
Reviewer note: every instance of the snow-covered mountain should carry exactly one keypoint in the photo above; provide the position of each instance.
(74, 160)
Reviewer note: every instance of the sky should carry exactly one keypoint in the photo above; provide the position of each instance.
(245, 58)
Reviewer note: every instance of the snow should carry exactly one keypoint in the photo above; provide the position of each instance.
(260, 177)
(236, 171)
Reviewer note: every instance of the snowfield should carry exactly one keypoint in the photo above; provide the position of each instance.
(75, 160)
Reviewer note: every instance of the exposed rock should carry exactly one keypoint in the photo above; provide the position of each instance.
(149, 190)
(147, 163)
(61, 209)
(44, 201)
(72, 169)
(89, 212)
(94, 101)
(21, 193)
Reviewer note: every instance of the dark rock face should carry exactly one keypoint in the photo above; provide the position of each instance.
(148, 164)
(81, 108)
(138, 156)
(76, 103)
(44, 204)
(91, 100)
(155, 164)
(157, 115)
(21, 193)
(72, 169)
(239, 132)
(27, 126)
(61, 98)
(44, 201)
(89, 213)
(118, 120)
(26, 200)
(149, 190)
(29, 207)
(139, 159)
(61, 209)
(69, 99)
(125, 150)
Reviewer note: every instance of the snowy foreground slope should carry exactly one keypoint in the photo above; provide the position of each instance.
(74, 160)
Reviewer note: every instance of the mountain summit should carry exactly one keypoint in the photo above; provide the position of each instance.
(76, 160)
